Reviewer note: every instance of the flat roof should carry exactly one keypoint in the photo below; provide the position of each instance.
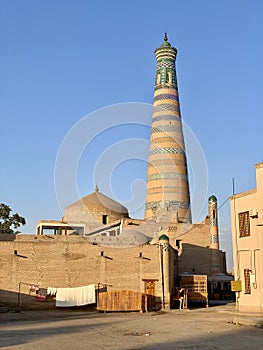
(259, 165)
(243, 194)
(51, 223)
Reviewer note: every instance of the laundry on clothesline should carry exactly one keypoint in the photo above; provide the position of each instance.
(41, 297)
(51, 291)
(42, 292)
(33, 288)
(67, 297)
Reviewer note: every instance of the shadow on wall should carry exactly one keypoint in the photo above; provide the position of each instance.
(23, 301)
(197, 260)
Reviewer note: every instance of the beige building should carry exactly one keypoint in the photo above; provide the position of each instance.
(121, 254)
(247, 235)
(83, 247)
(105, 222)
(72, 261)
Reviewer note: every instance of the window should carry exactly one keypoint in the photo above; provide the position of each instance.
(178, 243)
(244, 227)
(167, 78)
(247, 281)
(104, 219)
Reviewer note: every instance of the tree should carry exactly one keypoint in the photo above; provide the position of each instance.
(8, 222)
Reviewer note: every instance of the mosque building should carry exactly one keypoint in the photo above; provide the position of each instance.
(84, 245)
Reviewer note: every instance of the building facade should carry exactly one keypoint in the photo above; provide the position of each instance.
(72, 261)
(84, 247)
(247, 237)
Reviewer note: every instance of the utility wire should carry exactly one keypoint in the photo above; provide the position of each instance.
(223, 203)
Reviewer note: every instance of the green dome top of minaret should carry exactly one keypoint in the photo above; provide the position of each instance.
(212, 198)
(166, 50)
(163, 237)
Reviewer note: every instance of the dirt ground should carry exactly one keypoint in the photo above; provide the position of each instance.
(210, 328)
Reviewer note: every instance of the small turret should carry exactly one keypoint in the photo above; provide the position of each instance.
(212, 212)
(165, 270)
(214, 241)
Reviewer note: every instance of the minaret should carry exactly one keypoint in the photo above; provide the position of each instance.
(165, 270)
(214, 241)
(167, 181)
(212, 212)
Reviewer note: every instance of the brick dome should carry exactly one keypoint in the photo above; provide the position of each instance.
(99, 200)
(95, 209)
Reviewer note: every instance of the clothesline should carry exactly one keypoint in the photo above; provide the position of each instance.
(65, 297)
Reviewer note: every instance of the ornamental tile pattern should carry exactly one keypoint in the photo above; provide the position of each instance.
(159, 204)
(160, 192)
(165, 108)
(213, 222)
(166, 128)
(166, 117)
(214, 239)
(167, 168)
(167, 176)
(166, 97)
(167, 150)
(165, 65)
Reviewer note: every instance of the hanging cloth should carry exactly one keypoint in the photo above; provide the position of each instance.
(67, 297)
(51, 291)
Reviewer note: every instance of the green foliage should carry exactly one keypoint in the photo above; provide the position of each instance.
(9, 223)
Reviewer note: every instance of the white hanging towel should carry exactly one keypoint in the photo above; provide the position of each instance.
(67, 297)
(51, 291)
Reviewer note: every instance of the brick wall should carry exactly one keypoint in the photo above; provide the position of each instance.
(194, 248)
(72, 261)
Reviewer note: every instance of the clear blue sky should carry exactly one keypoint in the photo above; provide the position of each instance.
(61, 60)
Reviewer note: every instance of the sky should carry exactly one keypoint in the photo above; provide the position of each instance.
(64, 60)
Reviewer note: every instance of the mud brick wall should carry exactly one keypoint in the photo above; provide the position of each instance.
(194, 248)
(71, 261)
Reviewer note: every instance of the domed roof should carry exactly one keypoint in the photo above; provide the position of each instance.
(163, 238)
(98, 199)
(165, 43)
(212, 199)
(136, 236)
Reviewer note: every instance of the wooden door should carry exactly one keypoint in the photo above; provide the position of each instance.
(149, 289)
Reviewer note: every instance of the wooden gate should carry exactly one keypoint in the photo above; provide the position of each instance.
(149, 289)
(196, 287)
(121, 300)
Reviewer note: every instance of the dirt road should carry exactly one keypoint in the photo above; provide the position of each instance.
(210, 328)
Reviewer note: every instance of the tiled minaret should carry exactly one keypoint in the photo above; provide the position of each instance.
(167, 181)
